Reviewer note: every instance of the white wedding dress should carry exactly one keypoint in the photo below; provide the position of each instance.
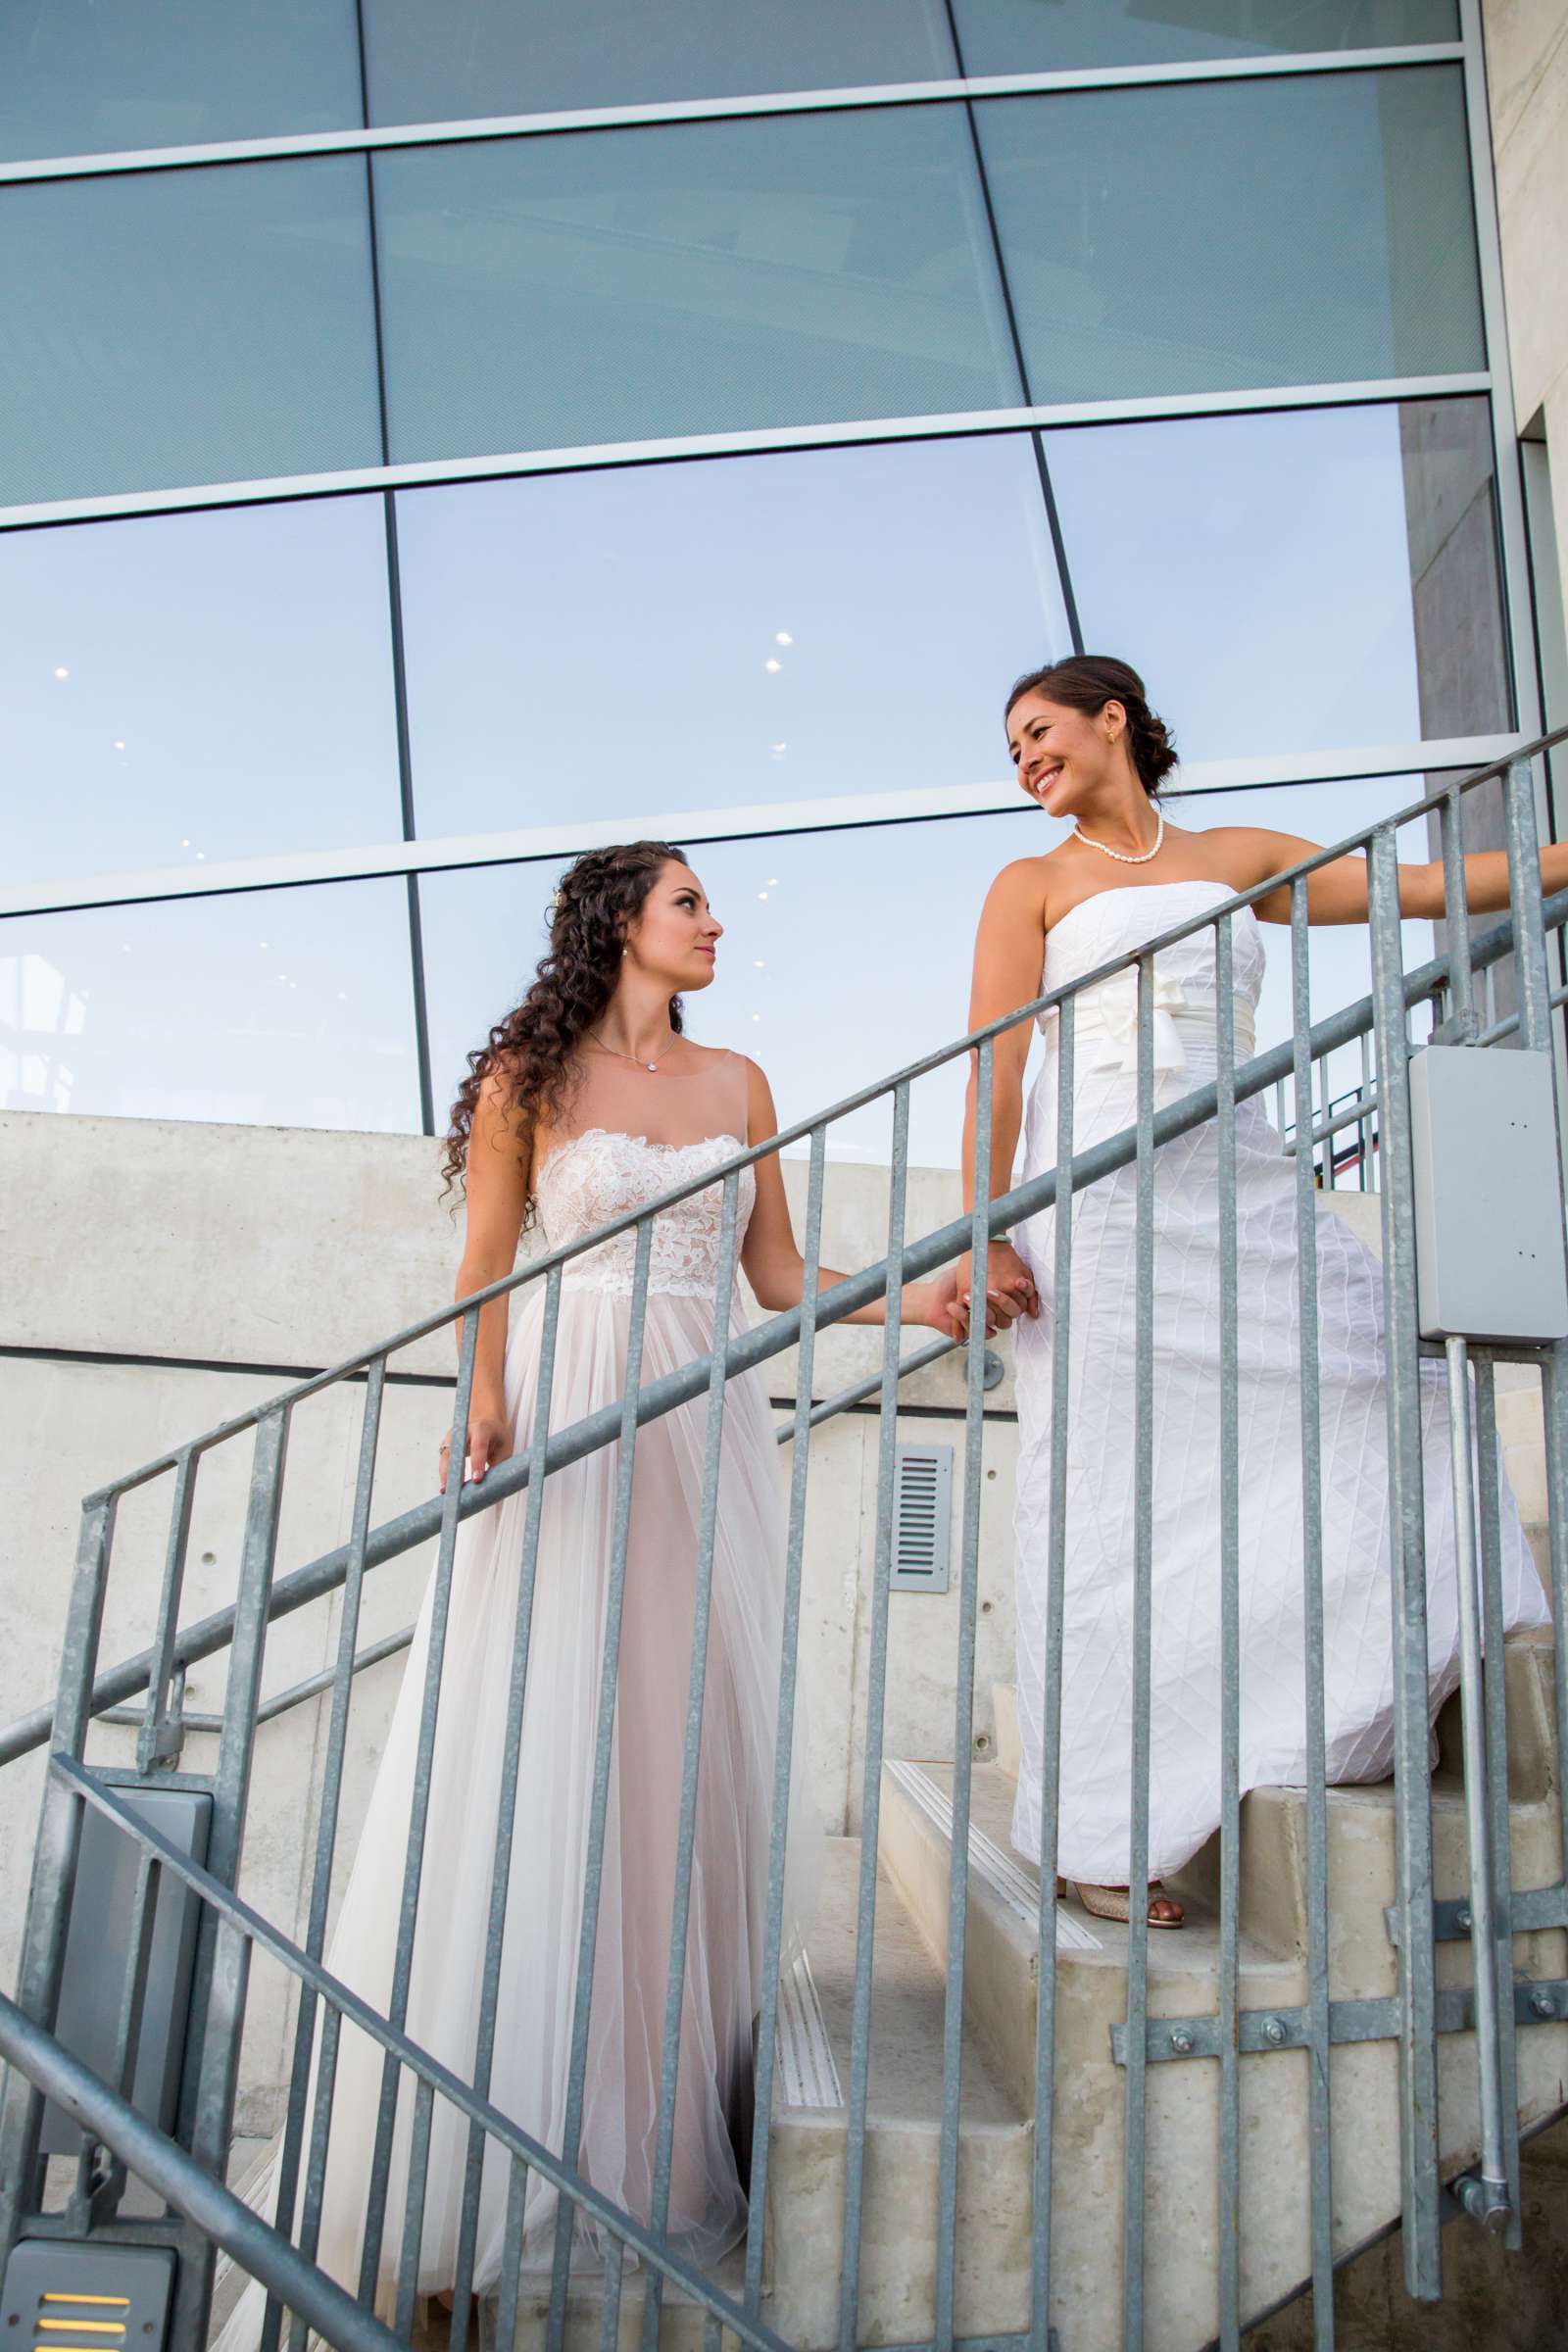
(1097, 1711)
(629, 1137)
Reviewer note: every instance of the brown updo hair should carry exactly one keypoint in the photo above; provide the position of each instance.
(1087, 682)
(532, 1048)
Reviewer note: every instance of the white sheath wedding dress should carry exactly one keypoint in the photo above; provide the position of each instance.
(630, 1135)
(1097, 1711)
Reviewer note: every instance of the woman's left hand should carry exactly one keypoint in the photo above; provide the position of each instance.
(943, 1310)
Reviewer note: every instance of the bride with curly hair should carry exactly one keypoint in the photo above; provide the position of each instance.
(587, 1101)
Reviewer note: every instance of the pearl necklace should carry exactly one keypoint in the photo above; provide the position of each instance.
(1124, 856)
(632, 1057)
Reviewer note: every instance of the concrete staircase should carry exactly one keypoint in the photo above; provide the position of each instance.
(809, 2132)
(1183, 2098)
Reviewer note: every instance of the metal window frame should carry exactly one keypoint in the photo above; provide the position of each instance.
(837, 100)
(848, 811)
(411, 857)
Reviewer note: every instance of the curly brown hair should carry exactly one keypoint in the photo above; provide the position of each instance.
(1087, 682)
(532, 1048)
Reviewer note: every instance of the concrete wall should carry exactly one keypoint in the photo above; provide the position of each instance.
(1527, 78)
(164, 1277)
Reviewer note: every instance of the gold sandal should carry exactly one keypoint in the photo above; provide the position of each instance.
(1110, 1902)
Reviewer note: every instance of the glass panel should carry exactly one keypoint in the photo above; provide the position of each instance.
(80, 78)
(432, 60)
(182, 327)
(881, 919)
(1217, 236)
(1295, 581)
(721, 633)
(288, 1008)
(1044, 36)
(197, 687)
(547, 292)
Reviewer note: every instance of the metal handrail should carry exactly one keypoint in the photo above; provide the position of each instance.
(1050, 1000)
(1411, 2017)
(752, 1347)
(283, 1701)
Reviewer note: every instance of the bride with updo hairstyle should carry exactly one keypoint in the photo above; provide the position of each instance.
(587, 1101)
(1087, 748)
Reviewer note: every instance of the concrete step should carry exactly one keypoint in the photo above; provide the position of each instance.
(806, 2163)
(1181, 2204)
(809, 2150)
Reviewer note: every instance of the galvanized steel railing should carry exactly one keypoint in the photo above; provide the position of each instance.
(232, 1929)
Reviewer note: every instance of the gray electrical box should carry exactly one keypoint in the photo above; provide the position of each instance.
(1488, 1220)
(98, 1944)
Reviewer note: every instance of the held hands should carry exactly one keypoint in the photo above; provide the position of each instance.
(489, 1442)
(1009, 1290)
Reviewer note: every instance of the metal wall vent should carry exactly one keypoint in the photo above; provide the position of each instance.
(922, 1498)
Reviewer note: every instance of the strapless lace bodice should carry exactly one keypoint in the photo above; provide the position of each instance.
(602, 1174)
(1105, 1021)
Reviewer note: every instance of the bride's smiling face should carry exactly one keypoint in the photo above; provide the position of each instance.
(676, 935)
(1063, 756)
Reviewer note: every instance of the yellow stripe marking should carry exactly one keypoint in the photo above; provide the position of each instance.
(85, 2327)
(119, 2302)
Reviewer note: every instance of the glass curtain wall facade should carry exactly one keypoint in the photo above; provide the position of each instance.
(435, 438)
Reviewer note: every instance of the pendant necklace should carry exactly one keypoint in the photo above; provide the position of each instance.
(1124, 856)
(632, 1057)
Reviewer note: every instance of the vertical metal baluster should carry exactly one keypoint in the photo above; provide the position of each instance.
(1230, 1736)
(691, 1756)
(975, 1432)
(413, 1855)
(604, 1739)
(1462, 1025)
(1554, 1416)
(223, 1952)
(1279, 1108)
(152, 1747)
(1529, 928)
(320, 2134)
(1485, 2197)
(511, 2257)
(325, 1846)
(1325, 1092)
(53, 1866)
(1418, 2072)
(1495, 1689)
(1364, 1128)
(133, 1982)
(610, 2307)
(414, 2206)
(875, 1699)
(784, 1738)
(506, 1813)
(1318, 2060)
(1051, 1718)
(1136, 2109)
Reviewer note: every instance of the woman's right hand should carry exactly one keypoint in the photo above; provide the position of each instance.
(1009, 1286)
(489, 1442)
